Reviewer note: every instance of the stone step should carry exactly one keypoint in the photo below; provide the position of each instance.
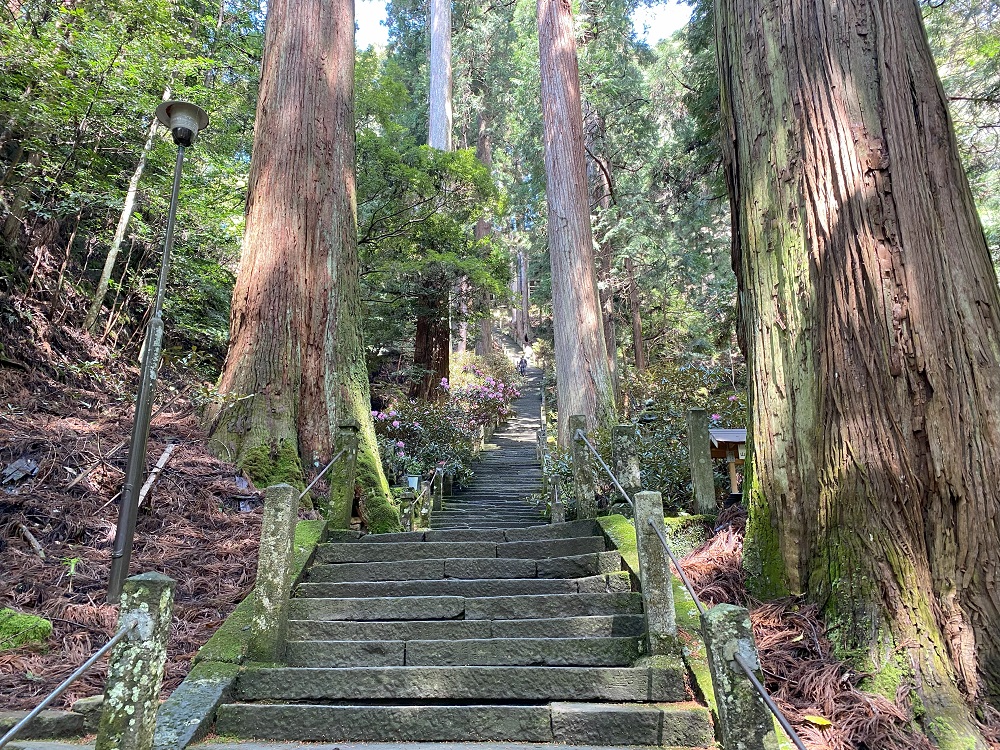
(474, 684)
(550, 652)
(465, 587)
(472, 608)
(575, 723)
(575, 566)
(560, 627)
(351, 552)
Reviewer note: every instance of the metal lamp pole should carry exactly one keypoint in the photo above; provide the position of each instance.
(184, 120)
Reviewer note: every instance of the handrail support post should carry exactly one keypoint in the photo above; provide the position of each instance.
(654, 575)
(583, 469)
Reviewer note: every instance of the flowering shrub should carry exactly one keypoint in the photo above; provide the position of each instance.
(415, 437)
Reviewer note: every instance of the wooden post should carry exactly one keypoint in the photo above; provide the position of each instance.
(700, 449)
(734, 480)
(583, 470)
(655, 575)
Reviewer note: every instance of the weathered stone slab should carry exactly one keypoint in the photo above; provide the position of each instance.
(570, 627)
(605, 724)
(551, 652)
(319, 630)
(387, 608)
(90, 709)
(48, 725)
(686, 725)
(386, 723)
(446, 587)
(552, 605)
(369, 653)
(551, 548)
(343, 535)
(497, 567)
(614, 582)
(446, 683)
(570, 530)
(463, 535)
(576, 566)
(666, 677)
(187, 715)
(409, 570)
(390, 551)
(402, 536)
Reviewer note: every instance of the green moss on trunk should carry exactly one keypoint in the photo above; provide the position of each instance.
(273, 464)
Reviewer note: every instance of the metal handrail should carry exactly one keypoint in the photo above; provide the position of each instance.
(771, 705)
(580, 435)
(14, 730)
(325, 469)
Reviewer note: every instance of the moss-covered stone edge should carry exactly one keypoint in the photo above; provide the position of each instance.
(189, 712)
(20, 629)
(230, 642)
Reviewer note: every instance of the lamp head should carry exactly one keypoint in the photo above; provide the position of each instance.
(184, 120)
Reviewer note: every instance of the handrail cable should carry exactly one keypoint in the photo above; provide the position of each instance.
(771, 705)
(580, 434)
(325, 469)
(677, 564)
(66, 683)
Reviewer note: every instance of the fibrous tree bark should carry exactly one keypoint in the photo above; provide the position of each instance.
(126, 216)
(870, 315)
(432, 343)
(296, 368)
(483, 231)
(638, 344)
(584, 380)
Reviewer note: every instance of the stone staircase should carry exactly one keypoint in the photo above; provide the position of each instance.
(507, 473)
(516, 635)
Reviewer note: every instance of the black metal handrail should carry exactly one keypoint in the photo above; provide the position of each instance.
(16, 729)
(580, 435)
(771, 705)
(325, 469)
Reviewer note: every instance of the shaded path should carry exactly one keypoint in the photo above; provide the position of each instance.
(507, 473)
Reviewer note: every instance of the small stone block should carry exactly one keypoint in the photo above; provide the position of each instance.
(605, 724)
(90, 709)
(686, 725)
(48, 725)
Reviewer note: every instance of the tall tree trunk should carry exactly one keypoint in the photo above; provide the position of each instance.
(295, 348)
(584, 380)
(603, 193)
(126, 216)
(483, 232)
(870, 314)
(633, 303)
(432, 343)
(12, 232)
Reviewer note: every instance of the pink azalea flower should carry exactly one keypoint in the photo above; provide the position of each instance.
(716, 417)
(395, 423)
(400, 444)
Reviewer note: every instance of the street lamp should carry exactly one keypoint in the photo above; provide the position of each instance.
(184, 121)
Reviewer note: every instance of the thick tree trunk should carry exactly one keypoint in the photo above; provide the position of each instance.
(603, 193)
(431, 349)
(871, 318)
(295, 354)
(126, 216)
(633, 303)
(440, 126)
(584, 381)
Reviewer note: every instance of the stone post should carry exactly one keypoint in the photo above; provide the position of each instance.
(406, 503)
(274, 573)
(426, 502)
(655, 576)
(625, 458)
(343, 475)
(438, 488)
(700, 450)
(583, 470)
(558, 509)
(745, 721)
(135, 668)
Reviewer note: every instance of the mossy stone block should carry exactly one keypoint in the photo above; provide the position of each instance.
(19, 629)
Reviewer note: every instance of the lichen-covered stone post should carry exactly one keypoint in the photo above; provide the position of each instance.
(583, 470)
(700, 451)
(625, 458)
(274, 573)
(406, 502)
(746, 722)
(655, 575)
(343, 475)
(558, 508)
(135, 668)
(424, 506)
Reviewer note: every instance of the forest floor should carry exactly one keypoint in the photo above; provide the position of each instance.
(65, 411)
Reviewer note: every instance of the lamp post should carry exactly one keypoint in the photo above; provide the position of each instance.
(184, 121)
